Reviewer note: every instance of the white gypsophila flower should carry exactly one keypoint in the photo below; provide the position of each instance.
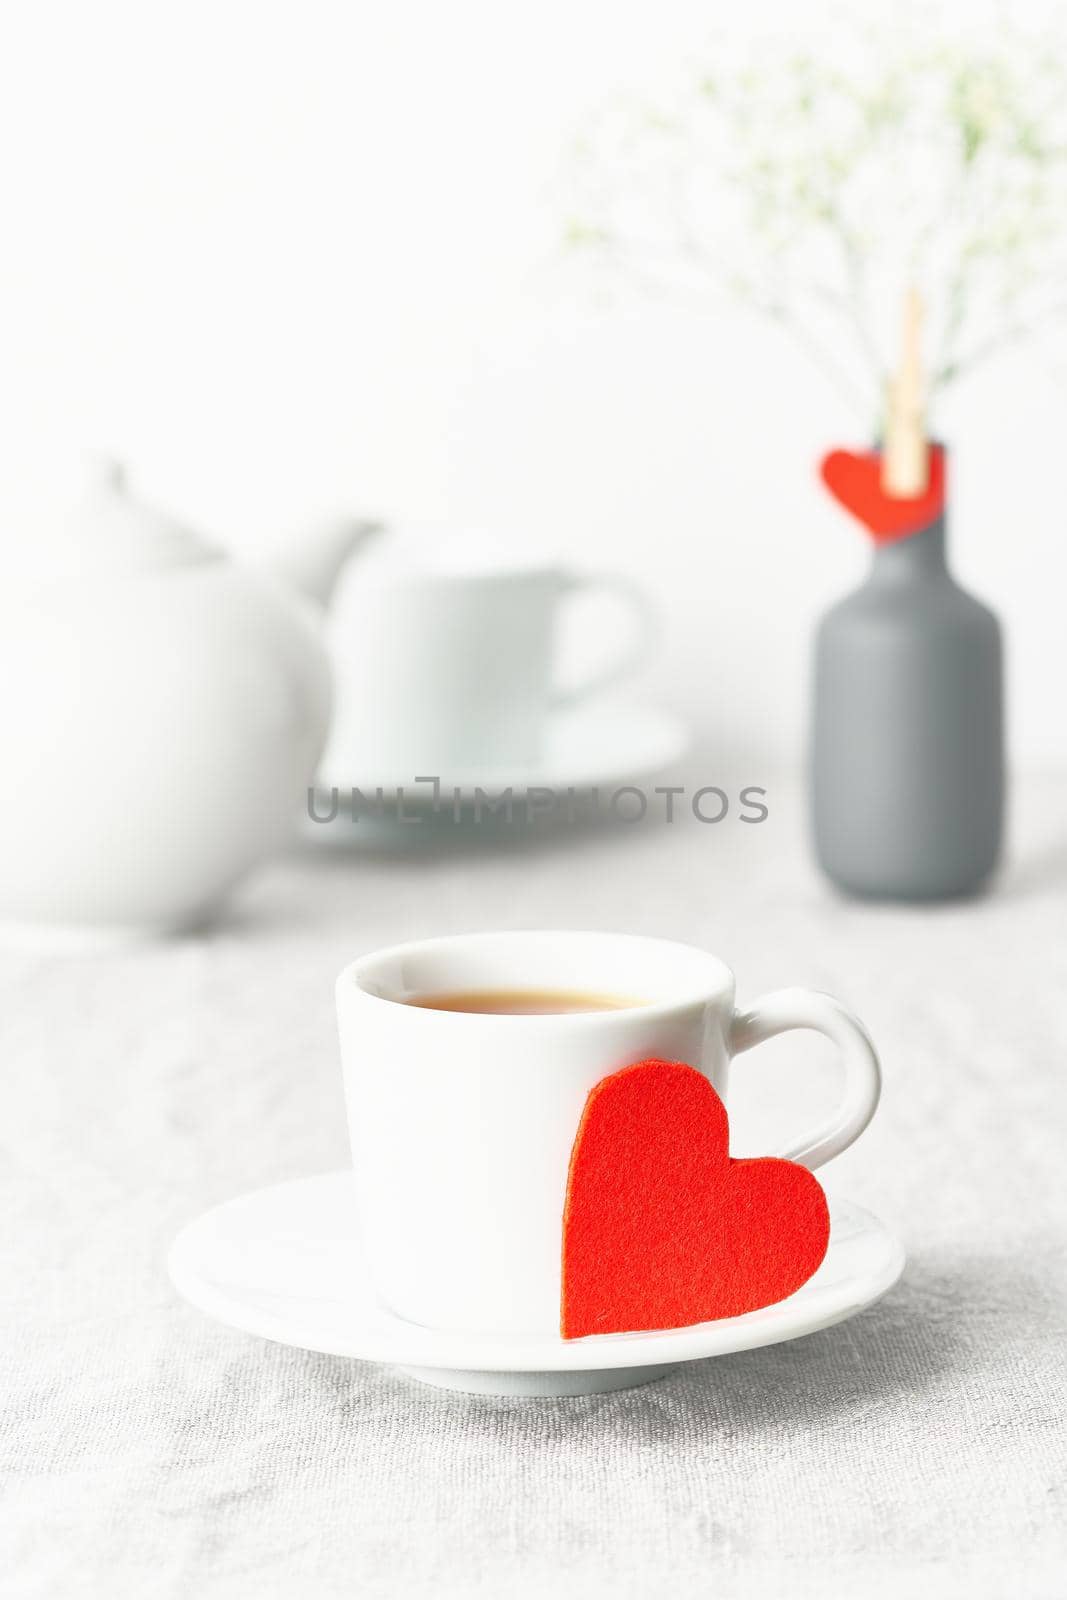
(817, 189)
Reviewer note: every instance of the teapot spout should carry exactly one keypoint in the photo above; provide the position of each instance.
(313, 559)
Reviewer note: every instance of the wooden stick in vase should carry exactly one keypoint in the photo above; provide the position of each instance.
(905, 452)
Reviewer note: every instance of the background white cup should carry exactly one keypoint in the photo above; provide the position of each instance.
(462, 1123)
(445, 659)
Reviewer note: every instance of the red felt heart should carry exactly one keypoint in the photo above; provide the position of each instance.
(855, 480)
(661, 1227)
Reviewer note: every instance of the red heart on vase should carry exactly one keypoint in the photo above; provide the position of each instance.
(855, 481)
(661, 1227)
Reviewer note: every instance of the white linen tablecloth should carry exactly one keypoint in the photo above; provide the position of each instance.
(919, 1450)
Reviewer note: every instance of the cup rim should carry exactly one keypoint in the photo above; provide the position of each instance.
(716, 982)
(427, 553)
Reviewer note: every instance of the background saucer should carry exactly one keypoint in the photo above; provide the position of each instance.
(586, 746)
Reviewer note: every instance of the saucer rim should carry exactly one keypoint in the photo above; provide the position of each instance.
(673, 738)
(397, 1342)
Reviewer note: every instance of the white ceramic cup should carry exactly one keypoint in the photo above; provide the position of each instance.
(448, 666)
(462, 1123)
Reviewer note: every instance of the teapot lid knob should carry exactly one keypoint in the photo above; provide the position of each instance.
(95, 527)
(105, 473)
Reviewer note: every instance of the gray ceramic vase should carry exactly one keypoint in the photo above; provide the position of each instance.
(908, 763)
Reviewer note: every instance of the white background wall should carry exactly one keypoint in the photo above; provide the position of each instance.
(285, 255)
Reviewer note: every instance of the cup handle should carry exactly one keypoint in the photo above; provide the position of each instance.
(629, 658)
(807, 1008)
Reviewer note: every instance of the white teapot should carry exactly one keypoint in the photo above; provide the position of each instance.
(161, 712)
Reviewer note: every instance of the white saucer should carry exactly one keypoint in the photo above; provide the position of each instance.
(589, 746)
(284, 1263)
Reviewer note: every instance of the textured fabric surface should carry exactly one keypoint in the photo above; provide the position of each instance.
(918, 1450)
